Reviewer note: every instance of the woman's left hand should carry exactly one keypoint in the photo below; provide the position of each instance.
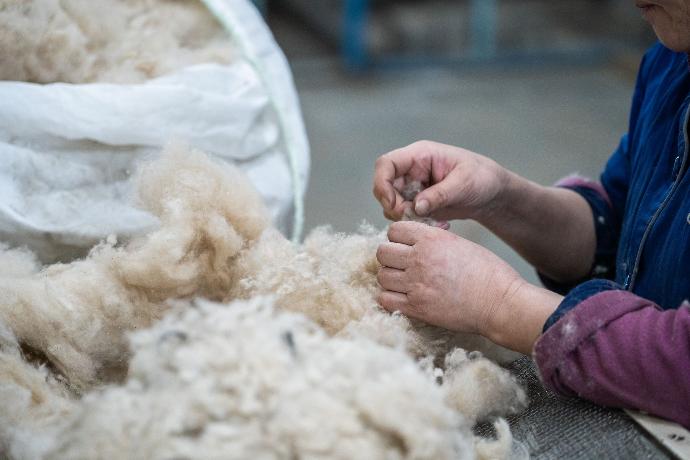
(442, 279)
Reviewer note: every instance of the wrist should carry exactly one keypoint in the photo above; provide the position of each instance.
(510, 188)
(518, 322)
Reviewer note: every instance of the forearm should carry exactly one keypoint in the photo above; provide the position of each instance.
(552, 228)
(518, 320)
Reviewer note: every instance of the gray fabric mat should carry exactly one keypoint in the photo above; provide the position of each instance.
(553, 427)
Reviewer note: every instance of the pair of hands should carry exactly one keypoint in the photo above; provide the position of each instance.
(436, 276)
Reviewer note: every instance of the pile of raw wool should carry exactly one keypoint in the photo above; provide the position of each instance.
(114, 41)
(111, 356)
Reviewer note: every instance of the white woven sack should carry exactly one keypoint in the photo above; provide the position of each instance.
(67, 151)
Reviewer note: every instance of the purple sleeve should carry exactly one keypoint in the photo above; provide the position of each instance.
(620, 350)
(577, 181)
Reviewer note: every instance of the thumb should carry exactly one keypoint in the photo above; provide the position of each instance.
(433, 198)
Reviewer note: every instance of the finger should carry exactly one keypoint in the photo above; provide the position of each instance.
(399, 205)
(393, 210)
(393, 301)
(392, 279)
(407, 233)
(388, 215)
(384, 175)
(435, 197)
(393, 255)
(388, 167)
(399, 210)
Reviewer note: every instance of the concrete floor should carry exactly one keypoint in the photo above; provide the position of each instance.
(543, 123)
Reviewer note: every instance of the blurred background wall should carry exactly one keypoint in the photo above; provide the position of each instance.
(541, 86)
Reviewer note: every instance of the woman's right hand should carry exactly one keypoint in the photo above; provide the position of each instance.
(460, 184)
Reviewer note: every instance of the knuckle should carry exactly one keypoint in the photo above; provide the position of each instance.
(381, 277)
(393, 229)
(381, 160)
(442, 196)
(385, 302)
(431, 236)
(414, 257)
(421, 242)
(376, 190)
(426, 267)
(422, 144)
(380, 252)
(422, 231)
(416, 262)
(416, 294)
(413, 311)
(414, 297)
(408, 226)
(410, 261)
(381, 300)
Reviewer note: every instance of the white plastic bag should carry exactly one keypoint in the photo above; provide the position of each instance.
(67, 151)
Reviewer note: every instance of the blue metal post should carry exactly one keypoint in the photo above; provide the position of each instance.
(484, 22)
(354, 47)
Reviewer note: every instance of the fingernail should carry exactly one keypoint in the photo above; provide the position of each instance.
(421, 208)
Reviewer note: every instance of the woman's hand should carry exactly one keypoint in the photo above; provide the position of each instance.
(551, 227)
(442, 279)
(460, 184)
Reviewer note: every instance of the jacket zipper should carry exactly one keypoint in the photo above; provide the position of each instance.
(630, 279)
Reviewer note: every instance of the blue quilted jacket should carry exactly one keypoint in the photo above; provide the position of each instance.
(642, 215)
(624, 340)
